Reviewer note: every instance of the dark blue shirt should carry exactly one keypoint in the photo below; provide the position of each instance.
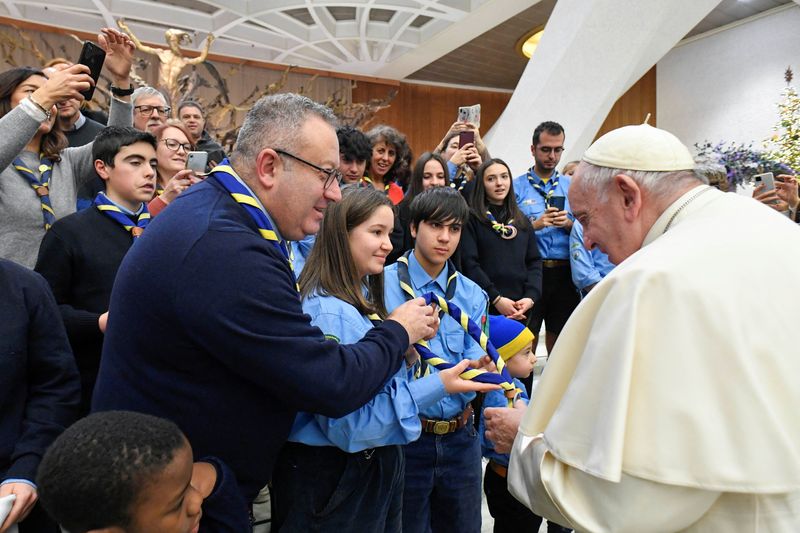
(206, 329)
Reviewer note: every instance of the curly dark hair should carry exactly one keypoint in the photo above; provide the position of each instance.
(389, 135)
(353, 144)
(94, 472)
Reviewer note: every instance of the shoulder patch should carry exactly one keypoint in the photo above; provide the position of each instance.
(332, 338)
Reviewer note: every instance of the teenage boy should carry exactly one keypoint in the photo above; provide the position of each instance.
(443, 468)
(81, 253)
(125, 472)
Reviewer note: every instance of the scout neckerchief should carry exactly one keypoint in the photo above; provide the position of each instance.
(107, 207)
(506, 231)
(502, 377)
(40, 185)
(540, 189)
(227, 177)
(459, 181)
(408, 289)
(367, 179)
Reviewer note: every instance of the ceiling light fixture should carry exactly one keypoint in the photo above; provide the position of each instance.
(527, 44)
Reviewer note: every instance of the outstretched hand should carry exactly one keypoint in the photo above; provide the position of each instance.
(502, 424)
(119, 50)
(454, 384)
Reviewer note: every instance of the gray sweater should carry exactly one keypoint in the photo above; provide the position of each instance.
(21, 222)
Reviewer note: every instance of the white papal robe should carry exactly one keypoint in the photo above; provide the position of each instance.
(671, 401)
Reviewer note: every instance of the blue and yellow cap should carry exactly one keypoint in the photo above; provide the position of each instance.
(508, 336)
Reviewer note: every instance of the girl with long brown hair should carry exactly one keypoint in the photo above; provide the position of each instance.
(346, 474)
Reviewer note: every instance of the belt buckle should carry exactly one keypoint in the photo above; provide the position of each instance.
(441, 427)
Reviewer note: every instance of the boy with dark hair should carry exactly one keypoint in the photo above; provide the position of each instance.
(79, 256)
(126, 472)
(354, 151)
(443, 468)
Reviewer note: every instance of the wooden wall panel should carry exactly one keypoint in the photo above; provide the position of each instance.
(425, 112)
(633, 106)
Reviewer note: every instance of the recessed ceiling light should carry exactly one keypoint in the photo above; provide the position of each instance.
(528, 43)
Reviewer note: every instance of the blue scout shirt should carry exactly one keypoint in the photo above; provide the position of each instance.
(300, 251)
(497, 398)
(588, 267)
(553, 242)
(391, 417)
(452, 343)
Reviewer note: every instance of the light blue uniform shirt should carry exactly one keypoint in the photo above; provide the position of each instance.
(496, 398)
(391, 417)
(553, 242)
(588, 267)
(300, 251)
(451, 343)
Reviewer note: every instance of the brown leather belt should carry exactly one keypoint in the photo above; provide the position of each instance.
(499, 469)
(443, 427)
(552, 263)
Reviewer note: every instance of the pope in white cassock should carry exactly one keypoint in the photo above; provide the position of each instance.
(671, 401)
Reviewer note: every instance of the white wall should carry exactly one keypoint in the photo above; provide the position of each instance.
(726, 86)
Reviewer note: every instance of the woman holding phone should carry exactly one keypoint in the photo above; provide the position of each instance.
(41, 176)
(464, 152)
(173, 145)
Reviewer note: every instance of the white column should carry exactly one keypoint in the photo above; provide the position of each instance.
(592, 51)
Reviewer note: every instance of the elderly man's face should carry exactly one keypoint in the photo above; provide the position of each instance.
(299, 197)
(151, 116)
(607, 223)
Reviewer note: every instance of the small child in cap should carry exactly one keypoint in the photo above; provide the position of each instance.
(514, 343)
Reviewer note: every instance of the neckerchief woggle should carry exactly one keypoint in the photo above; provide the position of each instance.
(459, 181)
(502, 378)
(107, 207)
(540, 190)
(504, 230)
(226, 175)
(40, 185)
(366, 179)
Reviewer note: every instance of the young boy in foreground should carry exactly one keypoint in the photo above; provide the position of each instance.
(125, 472)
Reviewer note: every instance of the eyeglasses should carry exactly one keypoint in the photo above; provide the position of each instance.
(147, 110)
(173, 145)
(547, 149)
(331, 174)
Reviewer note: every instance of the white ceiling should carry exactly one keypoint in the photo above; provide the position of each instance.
(387, 38)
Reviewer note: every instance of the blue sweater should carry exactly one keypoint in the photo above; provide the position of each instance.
(39, 384)
(206, 329)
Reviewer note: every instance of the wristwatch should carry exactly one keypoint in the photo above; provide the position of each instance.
(116, 91)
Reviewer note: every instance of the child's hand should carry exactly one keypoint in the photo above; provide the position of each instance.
(204, 477)
(484, 362)
(453, 384)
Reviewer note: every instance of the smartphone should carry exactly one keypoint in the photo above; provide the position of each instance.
(197, 162)
(466, 137)
(93, 57)
(558, 202)
(766, 179)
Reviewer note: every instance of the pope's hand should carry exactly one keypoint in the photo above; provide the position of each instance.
(502, 424)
